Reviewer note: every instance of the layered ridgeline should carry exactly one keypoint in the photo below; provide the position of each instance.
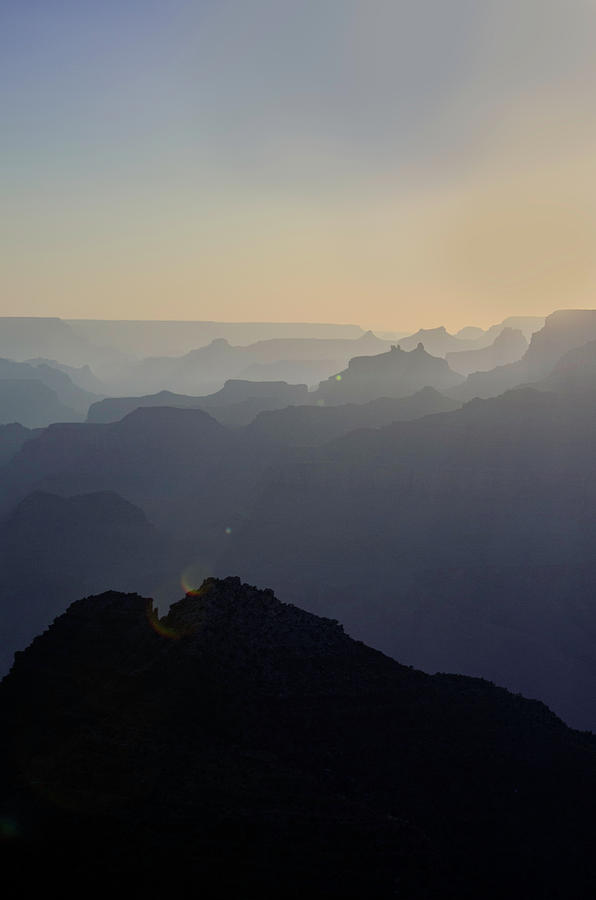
(207, 368)
(237, 403)
(25, 338)
(303, 426)
(36, 394)
(142, 338)
(245, 746)
(461, 541)
(439, 342)
(563, 331)
(508, 347)
(397, 373)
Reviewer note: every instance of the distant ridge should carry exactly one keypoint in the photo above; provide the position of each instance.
(563, 330)
(145, 337)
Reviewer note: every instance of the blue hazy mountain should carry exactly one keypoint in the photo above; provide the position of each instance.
(237, 403)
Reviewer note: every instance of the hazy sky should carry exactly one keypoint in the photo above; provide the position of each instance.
(384, 162)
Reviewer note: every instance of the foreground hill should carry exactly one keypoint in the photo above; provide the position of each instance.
(247, 746)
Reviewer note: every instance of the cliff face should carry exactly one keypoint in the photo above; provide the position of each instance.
(563, 331)
(397, 373)
(260, 748)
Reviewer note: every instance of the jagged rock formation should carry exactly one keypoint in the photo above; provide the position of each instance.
(242, 744)
(509, 346)
(394, 374)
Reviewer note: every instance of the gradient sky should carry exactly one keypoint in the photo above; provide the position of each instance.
(396, 164)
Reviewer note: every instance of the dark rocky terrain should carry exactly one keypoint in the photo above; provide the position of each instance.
(245, 746)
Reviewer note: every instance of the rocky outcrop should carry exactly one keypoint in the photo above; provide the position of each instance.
(397, 373)
(261, 748)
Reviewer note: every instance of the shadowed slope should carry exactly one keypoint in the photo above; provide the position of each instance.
(265, 750)
(460, 541)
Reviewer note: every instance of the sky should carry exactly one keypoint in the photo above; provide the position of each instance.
(392, 163)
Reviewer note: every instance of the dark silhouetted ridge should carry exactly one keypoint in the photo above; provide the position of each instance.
(265, 751)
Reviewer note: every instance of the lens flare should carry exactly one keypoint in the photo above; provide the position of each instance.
(194, 575)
